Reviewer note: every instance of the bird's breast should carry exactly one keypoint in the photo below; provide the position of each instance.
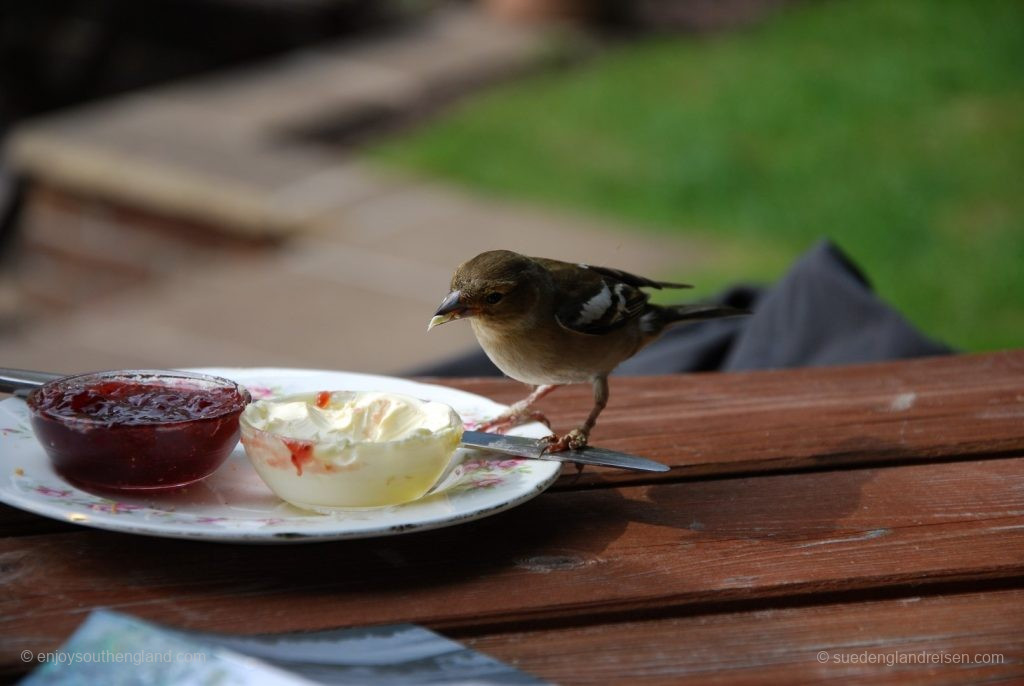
(560, 357)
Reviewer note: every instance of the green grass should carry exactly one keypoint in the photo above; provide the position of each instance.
(895, 127)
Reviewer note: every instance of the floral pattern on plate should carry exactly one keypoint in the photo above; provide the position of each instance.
(233, 505)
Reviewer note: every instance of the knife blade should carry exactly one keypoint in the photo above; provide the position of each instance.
(534, 448)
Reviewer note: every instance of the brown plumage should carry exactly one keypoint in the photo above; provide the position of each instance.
(549, 323)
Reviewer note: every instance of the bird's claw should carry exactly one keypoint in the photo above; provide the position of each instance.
(504, 422)
(574, 440)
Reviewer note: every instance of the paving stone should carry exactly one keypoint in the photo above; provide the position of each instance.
(93, 232)
(360, 258)
(248, 313)
(52, 282)
(233, 150)
(443, 226)
(355, 300)
(295, 89)
(439, 54)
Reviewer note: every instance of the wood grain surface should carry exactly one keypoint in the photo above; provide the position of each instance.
(960, 407)
(875, 509)
(956, 638)
(570, 555)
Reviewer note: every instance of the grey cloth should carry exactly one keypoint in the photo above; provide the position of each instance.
(12, 200)
(822, 312)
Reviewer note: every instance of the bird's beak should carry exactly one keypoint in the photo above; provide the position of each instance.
(450, 309)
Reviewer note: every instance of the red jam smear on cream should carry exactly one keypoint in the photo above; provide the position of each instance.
(302, 453)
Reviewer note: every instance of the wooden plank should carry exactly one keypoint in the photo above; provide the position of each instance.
(712, 424)
(15, 522)
(966, 638)
(574, 554)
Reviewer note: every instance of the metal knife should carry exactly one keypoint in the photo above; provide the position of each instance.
(534, 448)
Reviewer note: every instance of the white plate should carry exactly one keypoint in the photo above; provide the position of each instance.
(234, 505)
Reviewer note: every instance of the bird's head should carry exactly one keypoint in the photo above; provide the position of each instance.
(494, 285)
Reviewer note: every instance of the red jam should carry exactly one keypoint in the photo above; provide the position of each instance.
(134, 403)
(301, 453)
(131, 431)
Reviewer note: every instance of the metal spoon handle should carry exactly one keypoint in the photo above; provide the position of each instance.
(22, 381)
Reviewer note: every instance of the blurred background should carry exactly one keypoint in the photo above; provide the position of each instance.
(291, 183)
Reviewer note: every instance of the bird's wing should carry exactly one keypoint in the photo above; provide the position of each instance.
(633, 279)
(595, 300)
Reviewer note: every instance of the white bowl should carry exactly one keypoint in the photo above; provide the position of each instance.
(354, 469)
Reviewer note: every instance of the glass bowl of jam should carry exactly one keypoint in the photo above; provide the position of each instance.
(137, 430)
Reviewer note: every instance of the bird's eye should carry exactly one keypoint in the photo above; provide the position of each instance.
(493, 298)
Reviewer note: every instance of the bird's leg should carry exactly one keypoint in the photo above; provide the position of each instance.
(577, 438)
(520, 412)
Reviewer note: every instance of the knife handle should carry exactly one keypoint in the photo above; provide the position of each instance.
(21, 382)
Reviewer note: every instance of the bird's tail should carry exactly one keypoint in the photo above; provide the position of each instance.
(699, 313)
(659, 317)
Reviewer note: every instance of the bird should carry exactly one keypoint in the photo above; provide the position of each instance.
(549, 323)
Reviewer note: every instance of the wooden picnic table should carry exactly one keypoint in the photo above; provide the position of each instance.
(857, 523)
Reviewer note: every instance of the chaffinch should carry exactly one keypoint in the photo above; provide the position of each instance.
(549, 323)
